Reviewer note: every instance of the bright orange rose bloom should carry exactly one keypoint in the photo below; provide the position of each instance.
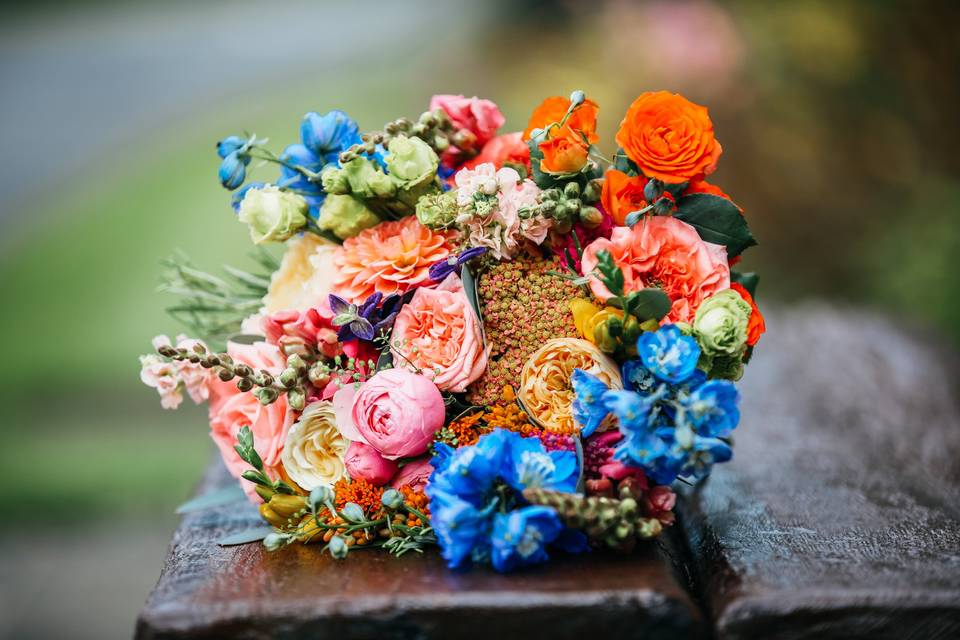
(584, 119)
(756, 325)
(565, 152)
(669, 138)
(702, 186)
(622, 194)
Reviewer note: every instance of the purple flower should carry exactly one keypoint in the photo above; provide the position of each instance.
(368, 320)
(440, 270)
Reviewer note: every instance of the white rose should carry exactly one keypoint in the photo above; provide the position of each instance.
(314, 451)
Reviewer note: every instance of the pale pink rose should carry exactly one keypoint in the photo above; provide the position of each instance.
(438, 333)
(396, 411)
(302, 331)
(661, 251)
(364, 462)
(231, 410)
(414, 474)
(480, 117)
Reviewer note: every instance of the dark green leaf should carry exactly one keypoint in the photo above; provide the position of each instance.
(747, 280)
(717, 220)
(542, 179)
(622, 163)
(470, 288)
(610, 274)
(243, 537)
(227, 495)
(649, 304)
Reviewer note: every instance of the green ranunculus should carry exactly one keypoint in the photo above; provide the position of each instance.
(272, 214)
(411, 162)
(361, 177)
(345, 216)
(437, 210)
(720, 324)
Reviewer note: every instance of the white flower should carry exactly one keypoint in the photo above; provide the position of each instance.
(305, 277)
(313, 453)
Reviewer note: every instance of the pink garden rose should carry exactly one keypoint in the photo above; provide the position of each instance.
(231, 410)
(364, 462)
(661, 251)
(397, 412)
(414, 474)
(439, 333)
(481, 117)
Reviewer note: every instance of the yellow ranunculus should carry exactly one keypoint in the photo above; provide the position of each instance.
(545, 389)
(588, 316)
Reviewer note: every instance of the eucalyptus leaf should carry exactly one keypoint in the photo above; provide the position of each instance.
(227, 495)
(717, 220)
(243, 537)
(747, 280)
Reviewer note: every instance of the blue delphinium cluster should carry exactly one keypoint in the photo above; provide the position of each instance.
(478, 512)
(322, 139)
(673, 419)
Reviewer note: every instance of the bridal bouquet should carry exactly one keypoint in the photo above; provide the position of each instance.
(504, 344)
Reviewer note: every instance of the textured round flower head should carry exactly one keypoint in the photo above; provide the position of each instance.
(313, 454)
(392, 257)
(669, 138)
(546, 390)
(661, 251)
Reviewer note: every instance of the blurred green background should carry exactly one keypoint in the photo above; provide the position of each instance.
(838, 123)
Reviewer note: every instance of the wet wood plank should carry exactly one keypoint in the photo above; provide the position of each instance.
(206, 591)
(839, 516)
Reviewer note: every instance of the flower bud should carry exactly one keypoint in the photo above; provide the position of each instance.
(225, 375)
(334, 179)
(289, 377)
(345, 216)
(230, 144)
(274, 541)
(665, 205)
(338, 548)
(571, 190)
(272, 214)
(464, 139)
(318, 375)
(577, 98)
(287, 506)
(538, 134)
(233, 171)
(411, 162)
(437, 211)
(392, 499)
(352, 512)
(593, 191)
(603, 338)
(266, 395)
(631, 329)
(320, 496)
(653, 190)
(244, 384)
(590, 217)
(296, 399)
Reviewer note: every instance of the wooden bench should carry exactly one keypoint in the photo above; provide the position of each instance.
(839, 517)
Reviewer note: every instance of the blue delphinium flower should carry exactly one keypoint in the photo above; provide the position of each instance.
(668, 354)
(477, 504)
(326, 136)
(711, 408)
(520, 538)
(233, 170)
(589, 408)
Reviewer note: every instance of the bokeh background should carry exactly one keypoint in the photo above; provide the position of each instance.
(838, 122)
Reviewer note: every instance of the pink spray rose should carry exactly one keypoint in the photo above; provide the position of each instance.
(397, 412)
(414, 474)
(364, 462)
(302, 331)
(231, 410)
(439, 333)
(661, 251)
(481, 117)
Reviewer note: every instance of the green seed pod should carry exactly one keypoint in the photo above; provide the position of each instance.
(571, 190)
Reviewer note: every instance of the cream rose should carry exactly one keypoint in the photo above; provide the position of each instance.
(545, 388)
(305, 277)
(314, 452)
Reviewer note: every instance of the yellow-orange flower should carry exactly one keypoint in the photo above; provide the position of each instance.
(391, 257)
(669, 137)
(588, 316)
(545, 389)
(583, 119)
(622, 194)
(564, 152)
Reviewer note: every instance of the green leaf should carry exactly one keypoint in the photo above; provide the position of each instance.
(622, 163)
(227, 495)
(243, 537)
(717, 220)
(649, 304)
(470, 288)
(610, 274)
(747, 280)
(541, 178)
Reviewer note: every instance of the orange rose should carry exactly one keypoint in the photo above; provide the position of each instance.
(551, 110)
(702, 186)
(565, 152)
(622, 194)
(756, 326)
(669, 138)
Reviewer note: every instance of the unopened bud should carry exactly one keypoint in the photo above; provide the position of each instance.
(225, 375)
(593, 191)
(352, 512)
(274, 541)
(289, 377)
(296, 399)
(338, 548)
(266, 395)
(320, 496)
(653, 190)
(244, 384)
(243, 371)
(572, 190)
(577, 98)
(392, 499)
(591, 216)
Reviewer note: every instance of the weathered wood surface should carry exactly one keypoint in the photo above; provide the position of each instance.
(206, 591)
(839, 516)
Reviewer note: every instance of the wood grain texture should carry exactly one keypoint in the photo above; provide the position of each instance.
(839, 516)
(206, 591)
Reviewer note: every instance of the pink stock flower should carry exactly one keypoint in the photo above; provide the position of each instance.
(171, 378)
(231, 410)
(481, 117)
(439, 333)
(414, 474)
(661, 251)
(302, 331)
(396, 411)
(365, 463)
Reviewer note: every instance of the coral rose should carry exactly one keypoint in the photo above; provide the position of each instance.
(545, 388)
(481, 117)
(669, 138)
(313, 454)
(392, 257)
(365, 463)
(757, 325)
(439, 333)
(661, 251)
(397, 412)
(305, 277)
(505, 149)
(231, 410)
(622, 194)
(583, 119)
(303, 332)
